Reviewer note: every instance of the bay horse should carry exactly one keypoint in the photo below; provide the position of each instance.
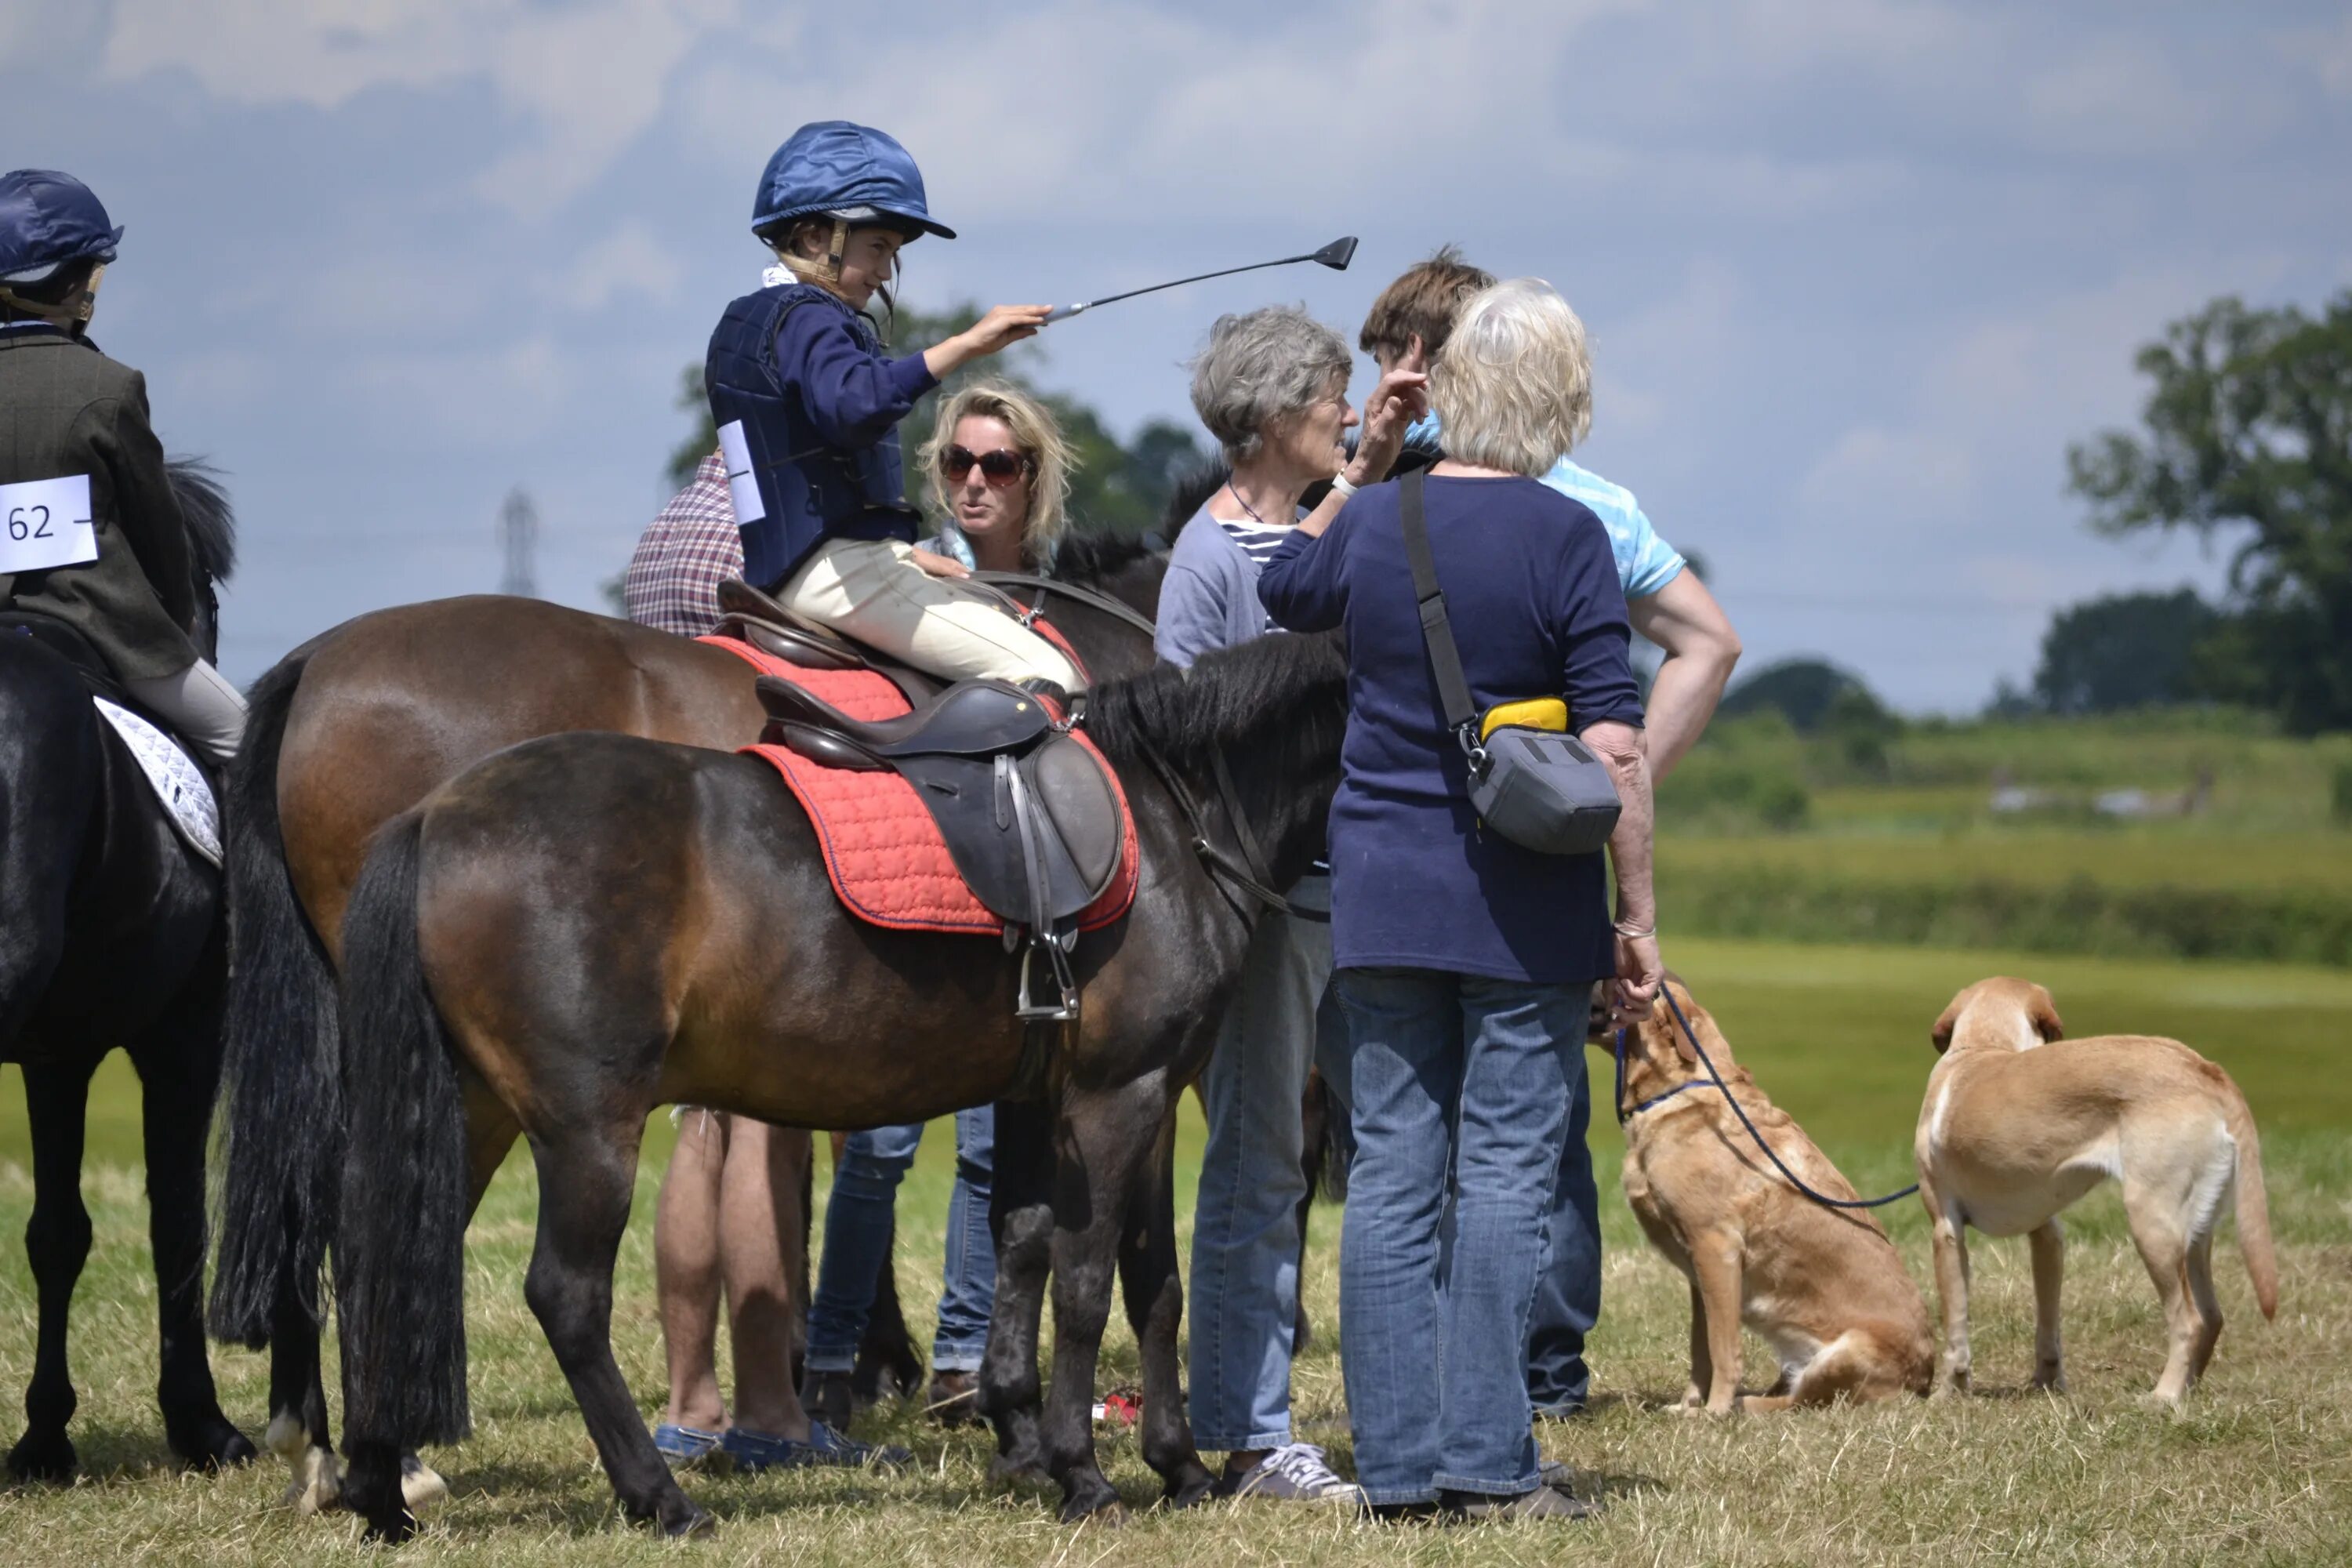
(346, 732)
(110, 935)
(586, 926)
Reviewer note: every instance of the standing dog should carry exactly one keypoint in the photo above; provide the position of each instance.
(1822, 1286)
(2011, 1134)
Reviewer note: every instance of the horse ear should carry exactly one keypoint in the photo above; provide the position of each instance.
(1945, 1022)
(2044, 1014)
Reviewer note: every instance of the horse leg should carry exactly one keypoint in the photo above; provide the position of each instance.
(1154, 1287)
(1021, 1217)
(297, 1432)
(586, 1178)
(179, 1067)
(1108, 1139)
(58, 1242)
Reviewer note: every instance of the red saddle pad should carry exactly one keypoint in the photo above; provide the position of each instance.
(883, 852)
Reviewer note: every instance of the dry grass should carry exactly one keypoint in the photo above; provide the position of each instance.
(2259, 1471)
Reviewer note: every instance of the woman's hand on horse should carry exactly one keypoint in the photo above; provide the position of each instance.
(939, 565)
(1640, 974)
(1003, 326)
(1402, 397)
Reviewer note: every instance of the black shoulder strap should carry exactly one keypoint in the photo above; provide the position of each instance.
(1444, 658)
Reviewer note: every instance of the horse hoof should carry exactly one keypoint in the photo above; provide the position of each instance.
(1187, 1492)
(47, 1457)
(421, 1485)
(1106, 1509)
(1012, 1470)
(690, 1520)
(399, 1527)
(318, 1483)
(215, 1445)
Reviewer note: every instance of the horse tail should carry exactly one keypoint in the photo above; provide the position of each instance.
(400, 1250)
(281, 1100)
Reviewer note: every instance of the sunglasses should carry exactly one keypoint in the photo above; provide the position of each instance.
(999, 468)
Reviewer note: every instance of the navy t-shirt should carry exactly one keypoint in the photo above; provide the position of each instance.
(1531, 588)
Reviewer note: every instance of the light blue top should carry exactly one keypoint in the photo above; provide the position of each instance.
(1645, 564)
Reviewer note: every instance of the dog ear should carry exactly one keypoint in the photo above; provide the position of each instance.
(2044, 1014)
(1663, 1017)
(1945, 1022)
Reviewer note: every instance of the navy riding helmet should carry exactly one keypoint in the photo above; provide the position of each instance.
(836, 169)
(48, 220)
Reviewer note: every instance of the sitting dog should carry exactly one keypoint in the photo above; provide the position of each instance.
(1822, 1286)
(2010, 1133)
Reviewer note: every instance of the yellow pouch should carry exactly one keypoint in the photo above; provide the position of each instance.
(1535, 713)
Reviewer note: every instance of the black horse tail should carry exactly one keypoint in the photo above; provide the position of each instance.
(281, 1101)
(400, 1251)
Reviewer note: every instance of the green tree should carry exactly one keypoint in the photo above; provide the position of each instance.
(2125, 650)
(1114, 484)
(2249, 434)
(1809, 693)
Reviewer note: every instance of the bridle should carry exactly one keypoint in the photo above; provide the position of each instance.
(1251, 876)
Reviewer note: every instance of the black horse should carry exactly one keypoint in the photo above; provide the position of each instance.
(110, 934)
(677, 939)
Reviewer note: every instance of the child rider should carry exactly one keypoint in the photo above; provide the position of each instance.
(807, 406)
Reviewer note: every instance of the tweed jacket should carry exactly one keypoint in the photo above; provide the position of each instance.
(65, 409)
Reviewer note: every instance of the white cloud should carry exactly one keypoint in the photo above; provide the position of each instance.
(585, 78)
(628, 261)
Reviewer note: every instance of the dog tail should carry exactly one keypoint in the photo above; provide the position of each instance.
(2254, 1202)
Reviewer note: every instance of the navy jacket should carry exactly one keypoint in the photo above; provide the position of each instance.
(1532, 592)
(807, 409)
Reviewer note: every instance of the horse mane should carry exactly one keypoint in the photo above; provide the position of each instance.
(204, 508)
(1279, 698)
(1091, 556)
(1193, 488)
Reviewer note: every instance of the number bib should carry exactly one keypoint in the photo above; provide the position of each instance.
(45, 523)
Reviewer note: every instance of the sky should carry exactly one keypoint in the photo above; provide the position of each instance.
(1855, 271)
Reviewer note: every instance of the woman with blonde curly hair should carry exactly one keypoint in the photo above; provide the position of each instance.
(999, 475)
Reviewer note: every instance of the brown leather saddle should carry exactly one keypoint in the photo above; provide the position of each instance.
(1031, 817)
(746, 614)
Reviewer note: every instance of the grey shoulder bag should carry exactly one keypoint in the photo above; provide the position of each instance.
(1539, 787)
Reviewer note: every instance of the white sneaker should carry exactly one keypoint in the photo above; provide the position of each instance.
(1296, 1472)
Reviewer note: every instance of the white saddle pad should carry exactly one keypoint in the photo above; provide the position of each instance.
(187, 798)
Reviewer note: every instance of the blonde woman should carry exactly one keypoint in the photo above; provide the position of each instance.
(1467, 1003)
(999, 476)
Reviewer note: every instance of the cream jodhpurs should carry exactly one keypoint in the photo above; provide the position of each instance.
(872, 590)
(200, 705)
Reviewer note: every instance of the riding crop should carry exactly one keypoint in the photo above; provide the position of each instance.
(1335, 256)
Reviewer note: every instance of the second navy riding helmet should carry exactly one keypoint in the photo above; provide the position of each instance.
(49, 220)
(832, 168)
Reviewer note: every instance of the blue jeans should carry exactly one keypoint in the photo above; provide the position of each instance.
(1245, 1286)
(1451, 1072)
(857, 1237)
(1567, 1302)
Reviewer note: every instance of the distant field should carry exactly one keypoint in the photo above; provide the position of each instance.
(2306, 863)
(2259, 1472)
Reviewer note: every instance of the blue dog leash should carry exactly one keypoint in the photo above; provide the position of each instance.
(1714, 1080)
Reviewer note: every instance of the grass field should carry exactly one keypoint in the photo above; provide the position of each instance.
(2259, 1472)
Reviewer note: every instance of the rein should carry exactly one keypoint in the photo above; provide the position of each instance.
(1714, 1080)
(1251, 875)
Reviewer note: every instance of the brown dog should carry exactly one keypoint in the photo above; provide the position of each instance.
(1822, 1286)
(2011, 1134)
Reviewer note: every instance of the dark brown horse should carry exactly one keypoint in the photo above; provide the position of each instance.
(586, 926)
(346, 732)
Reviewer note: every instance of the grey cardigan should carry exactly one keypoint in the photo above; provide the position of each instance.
(1210, 598)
